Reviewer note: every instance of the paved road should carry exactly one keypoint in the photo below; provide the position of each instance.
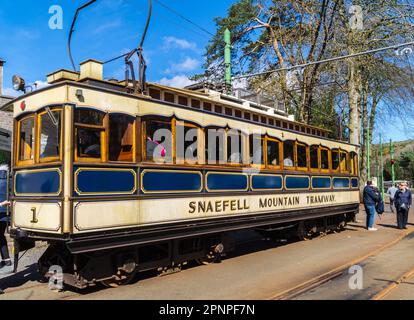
(258, 270)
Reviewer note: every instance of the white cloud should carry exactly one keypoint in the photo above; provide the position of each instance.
(104, 27)
(173, 42)
(11, 92)
(188, 64)
(41, 84)
(179, 81)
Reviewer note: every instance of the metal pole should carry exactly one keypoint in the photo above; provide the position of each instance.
(392, 162)
(368, 156)
(227, 59)
(381, 168)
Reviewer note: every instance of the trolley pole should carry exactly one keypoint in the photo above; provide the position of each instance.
(227, 60)
(392, 162)
(381, 168)
(368, 154)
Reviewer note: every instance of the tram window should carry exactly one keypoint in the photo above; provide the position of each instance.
(89, 143)
(182, 100)
(155, 94)
(158, 140)
(288, 153)
(214, 145)
(314, 157)
(256, 149)
(218, 109)
(169, 97)
(277, 123)
(187, 142)
(335, 159)
(121, 137)
(207, 106)
(344, 161)
(229, 111)
(273, 157)
(27, 135)
(50, 136)
(354, 163)
(247, 116)
(92, 117)
(324, 159)
(195, 104)
(234, 146)
(237, 113)
(255, 118)
(302, 156)
(271, 122)
(263, 120)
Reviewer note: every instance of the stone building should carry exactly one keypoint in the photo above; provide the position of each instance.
(6, 122)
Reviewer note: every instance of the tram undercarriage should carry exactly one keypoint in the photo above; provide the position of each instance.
(118, 263)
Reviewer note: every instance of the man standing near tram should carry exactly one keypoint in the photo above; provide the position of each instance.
(403, 201)
(371, 199)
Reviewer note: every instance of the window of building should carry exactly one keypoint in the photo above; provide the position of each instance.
(215, 139)
(335, 159)
(344, 161)
(121, 137)
(324, 159)
(50, 136)
(157, 144)
(302, 155)
(26, 140)
(234, 147)
(256, 143)
(273, 152)
(289, 153)
(90, 134)
(314, 157)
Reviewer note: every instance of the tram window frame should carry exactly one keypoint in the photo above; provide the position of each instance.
(32, 148)
(301, 168)
(318, 157)
(344, 164)
(335, 151)
(200, 149)
(130, 156)
(102, 129)
(262, 164)
(321, 149)
(288, 167)
(353, 163)
(144, 137)
(242, 139)
(59, 157)
(222, 158)
(280, 153)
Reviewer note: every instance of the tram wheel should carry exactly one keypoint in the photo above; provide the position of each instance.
(214, 255)
(116, 282)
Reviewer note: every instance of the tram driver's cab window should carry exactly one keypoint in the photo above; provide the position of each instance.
(344, 165)
(158, 140)
(26, 139)
(289, 153)
(50, 135)
(90, 134)
(354, 163)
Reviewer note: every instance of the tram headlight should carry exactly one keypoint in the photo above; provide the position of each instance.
(18, 83)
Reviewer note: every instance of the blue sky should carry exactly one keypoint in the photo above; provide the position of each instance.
(173, 48)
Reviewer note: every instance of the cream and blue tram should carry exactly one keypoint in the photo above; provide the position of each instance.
(87, 178)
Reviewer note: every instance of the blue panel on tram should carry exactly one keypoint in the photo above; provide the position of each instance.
(321, 183)
(45, 182)
(171, 181)
(226, 182)
(297, 182)
(105, 181)
(341, 183)
(354, 183)
(266, 182)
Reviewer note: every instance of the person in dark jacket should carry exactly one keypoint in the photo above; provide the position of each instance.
(4, 220)
(370, 198)
(403, 201)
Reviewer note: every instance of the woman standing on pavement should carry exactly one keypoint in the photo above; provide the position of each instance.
(403, 201)
(4, 219)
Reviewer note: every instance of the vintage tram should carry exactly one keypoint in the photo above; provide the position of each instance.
(111, 199)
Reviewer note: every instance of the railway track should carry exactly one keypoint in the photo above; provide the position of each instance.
(317, 281)
(386, 291)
